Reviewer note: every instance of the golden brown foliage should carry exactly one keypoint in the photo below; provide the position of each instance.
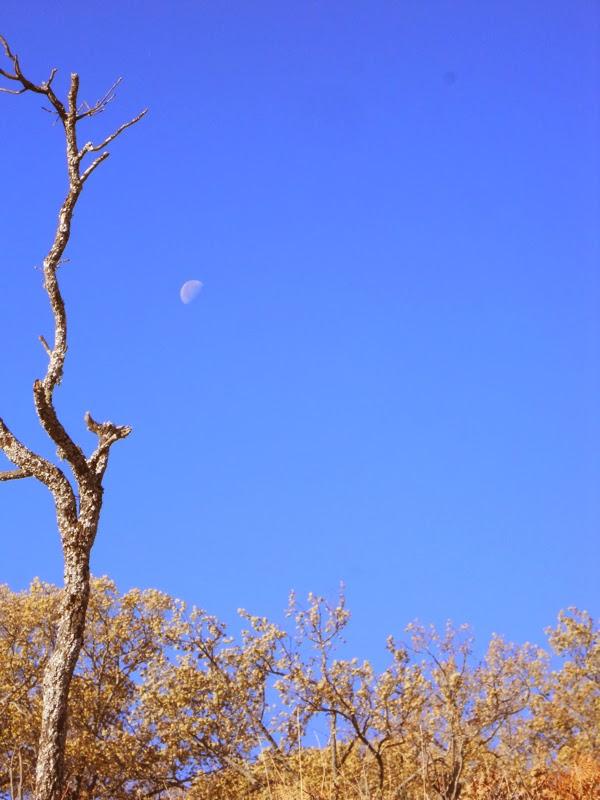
(165, 703)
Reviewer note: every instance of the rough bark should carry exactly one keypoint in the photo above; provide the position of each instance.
(58, 673)
(78, 503)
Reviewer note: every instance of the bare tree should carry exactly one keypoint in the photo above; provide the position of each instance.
(78, 501)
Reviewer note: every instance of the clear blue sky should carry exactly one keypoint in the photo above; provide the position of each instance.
(391, 376)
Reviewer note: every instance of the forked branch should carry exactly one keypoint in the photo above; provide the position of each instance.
(108, 433)
(70, 113)
(27, 85)
(89, 147)
(30, 464)
(99, 105)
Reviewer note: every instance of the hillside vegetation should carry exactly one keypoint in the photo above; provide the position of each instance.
(166, 704)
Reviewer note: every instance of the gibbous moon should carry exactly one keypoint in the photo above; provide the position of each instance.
(189, 291)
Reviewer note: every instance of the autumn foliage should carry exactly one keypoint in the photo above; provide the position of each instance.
(165, 703)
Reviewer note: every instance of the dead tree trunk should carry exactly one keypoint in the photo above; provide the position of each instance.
(78, 503)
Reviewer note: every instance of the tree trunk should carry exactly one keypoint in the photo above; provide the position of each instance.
(59, 672)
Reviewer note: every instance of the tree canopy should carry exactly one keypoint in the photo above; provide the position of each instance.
(164, 702)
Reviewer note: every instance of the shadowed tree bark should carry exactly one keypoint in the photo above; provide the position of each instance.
(77, 501)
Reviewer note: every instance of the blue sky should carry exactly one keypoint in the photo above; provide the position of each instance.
(391, 376)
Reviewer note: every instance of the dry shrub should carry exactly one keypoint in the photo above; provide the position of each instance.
(167, 704)
(579, 781)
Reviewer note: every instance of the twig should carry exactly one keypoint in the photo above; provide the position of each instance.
(15, 475)
(93, 148)
(101, 104)
(96, 163)
(46, 346)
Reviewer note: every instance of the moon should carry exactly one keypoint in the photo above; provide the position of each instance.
(190, 290)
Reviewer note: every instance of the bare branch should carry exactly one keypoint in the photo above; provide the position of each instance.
(93, 148)
(55, 430)
(15, 475)
(72, 95)
(96, 163)
(46, 472)
(92, 425)
(101, 104)
(115, 432)
(46, 346)
(106, 430)
(51, 262)
(43, 390)
(48, 83)
(108, 433)
(6, 48)
(28, 85)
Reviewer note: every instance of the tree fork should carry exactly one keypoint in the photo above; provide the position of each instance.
(78, 503)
